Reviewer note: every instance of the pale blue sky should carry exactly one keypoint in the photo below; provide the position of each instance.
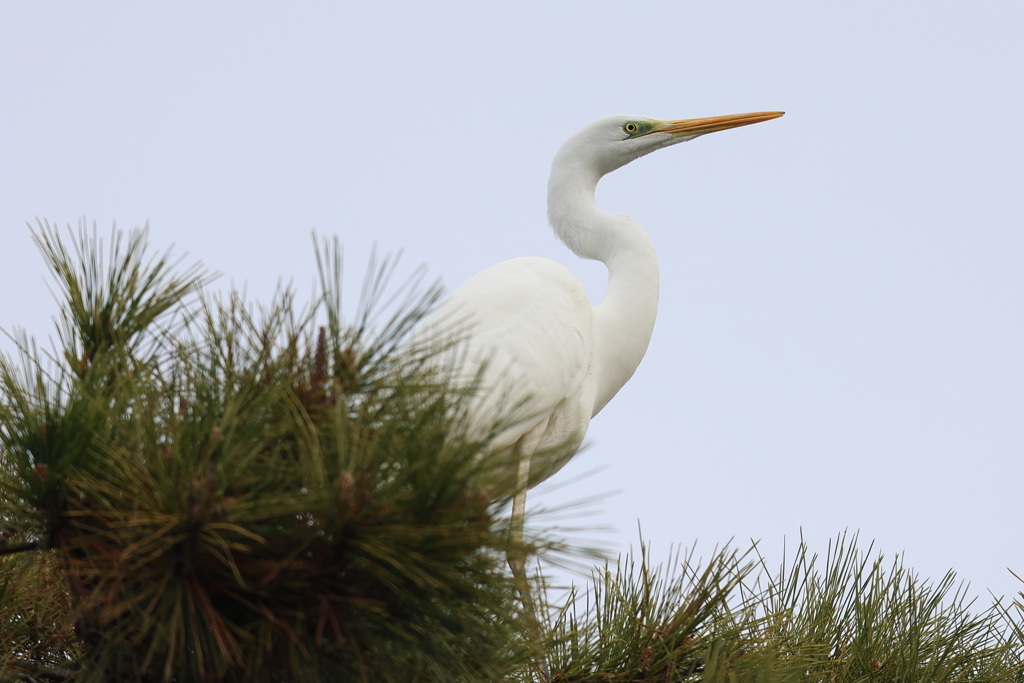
(841, 336)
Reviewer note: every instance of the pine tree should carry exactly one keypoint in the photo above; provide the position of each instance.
(195, 488)
(219, 493)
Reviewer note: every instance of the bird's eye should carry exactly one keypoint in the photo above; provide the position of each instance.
(630, 128)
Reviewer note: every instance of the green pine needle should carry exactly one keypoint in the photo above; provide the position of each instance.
(196, 489)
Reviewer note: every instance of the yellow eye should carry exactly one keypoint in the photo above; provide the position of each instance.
(630, 128)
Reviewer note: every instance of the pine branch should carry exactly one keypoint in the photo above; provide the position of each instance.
(256, 489)
(6, 549)
(37, 671)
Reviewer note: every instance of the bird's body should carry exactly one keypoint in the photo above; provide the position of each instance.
(526, 329)
(529, 325)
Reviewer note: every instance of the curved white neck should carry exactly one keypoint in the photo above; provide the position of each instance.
(624, 320)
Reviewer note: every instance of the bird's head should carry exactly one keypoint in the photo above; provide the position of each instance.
(614, 141)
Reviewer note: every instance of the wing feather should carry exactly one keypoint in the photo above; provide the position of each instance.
(529, 324)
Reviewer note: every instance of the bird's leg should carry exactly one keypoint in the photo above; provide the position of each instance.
(517, 560)
(517, 554)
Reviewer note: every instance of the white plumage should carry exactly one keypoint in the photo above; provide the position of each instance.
(528, 324)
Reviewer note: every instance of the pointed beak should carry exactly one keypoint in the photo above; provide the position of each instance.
(693, 127)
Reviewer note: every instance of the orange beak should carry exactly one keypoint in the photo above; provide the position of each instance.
(713, 124)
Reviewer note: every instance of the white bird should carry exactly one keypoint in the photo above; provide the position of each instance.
(527, 326)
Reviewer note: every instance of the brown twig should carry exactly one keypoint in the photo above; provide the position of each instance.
(6, 549)
(38, 671)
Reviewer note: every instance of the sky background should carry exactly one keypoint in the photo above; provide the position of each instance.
(840, 341)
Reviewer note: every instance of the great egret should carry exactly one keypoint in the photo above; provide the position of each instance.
(527, 325)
